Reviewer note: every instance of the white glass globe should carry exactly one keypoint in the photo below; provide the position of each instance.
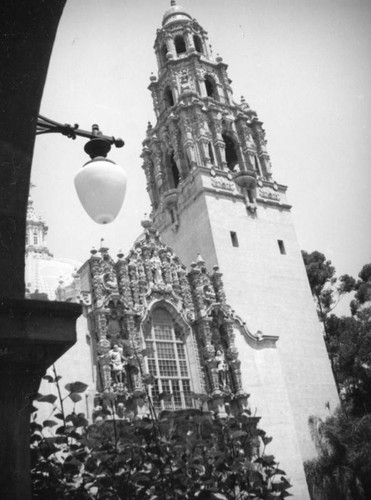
(101, 188)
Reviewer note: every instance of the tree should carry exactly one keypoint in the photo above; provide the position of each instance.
(327, 290)
(362, 288)
(343, 469)
(188, 454)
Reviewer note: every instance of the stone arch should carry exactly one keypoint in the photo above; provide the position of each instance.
(231, 151)
(175, 315)
(211, 87)
(180, 45)
(163, 52)
(168, 97)
(173, 174)
(198, 44)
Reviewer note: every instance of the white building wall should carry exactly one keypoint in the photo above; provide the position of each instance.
(269, 291)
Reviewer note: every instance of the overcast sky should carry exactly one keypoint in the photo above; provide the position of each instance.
(303, 65)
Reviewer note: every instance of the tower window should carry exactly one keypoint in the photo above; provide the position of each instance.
(211, 89)
(163, 53)
(168, 97)
(230, 152)
(168, 363)
(174, 175)
(35, 238)
(211, 154)
(281, 246)
(234, 239)
(198, 43)
(180, 45)
(257, 165)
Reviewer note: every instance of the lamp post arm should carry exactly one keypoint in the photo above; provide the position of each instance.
(48, 126)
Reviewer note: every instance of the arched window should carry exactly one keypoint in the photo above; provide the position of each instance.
(168, 363)
(174, 175)
(198, 43)
(211, 154)
(163, 53)
(230, 152)
(168, 97)
(257, 165)
(180, 45)
(35, 238)
(211, 89)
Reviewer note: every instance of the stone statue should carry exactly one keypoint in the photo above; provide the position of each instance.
(222, 368)
(117, 362)
(156, 268)
(113, 329)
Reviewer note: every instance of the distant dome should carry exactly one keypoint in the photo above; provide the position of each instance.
(176, 13)
(45, 275)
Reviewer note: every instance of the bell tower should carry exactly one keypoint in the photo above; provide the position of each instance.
(213, 192)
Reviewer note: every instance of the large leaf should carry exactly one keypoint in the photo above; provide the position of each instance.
(76, 387)
(48, 398)
(49, 423)
(35, 427)
(266, 440)
(75, 397)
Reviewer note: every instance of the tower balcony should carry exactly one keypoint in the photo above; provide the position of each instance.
(245, 179)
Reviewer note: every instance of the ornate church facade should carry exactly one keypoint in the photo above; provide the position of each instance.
(239, 327)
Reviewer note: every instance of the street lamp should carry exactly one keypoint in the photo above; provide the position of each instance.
(101, 183)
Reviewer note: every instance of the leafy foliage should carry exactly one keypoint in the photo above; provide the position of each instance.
(326, 288)
(343, 469)
(188, 454)
(348, 339)
(349, 346)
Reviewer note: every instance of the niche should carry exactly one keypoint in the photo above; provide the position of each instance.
(168, 98)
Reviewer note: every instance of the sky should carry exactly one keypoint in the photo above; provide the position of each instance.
(303, 65)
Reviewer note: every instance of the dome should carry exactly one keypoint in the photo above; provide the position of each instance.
(45, 275)
(176, 13)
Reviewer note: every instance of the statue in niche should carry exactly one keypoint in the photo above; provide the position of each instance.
(156, 268)
(109, 283)
(113, 328)
(209, 294)
(117, 364)
(222, 368)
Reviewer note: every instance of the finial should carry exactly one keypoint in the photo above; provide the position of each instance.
(199, 258)
(146, 222)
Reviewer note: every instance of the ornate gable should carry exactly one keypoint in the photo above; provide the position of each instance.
(125, 296)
